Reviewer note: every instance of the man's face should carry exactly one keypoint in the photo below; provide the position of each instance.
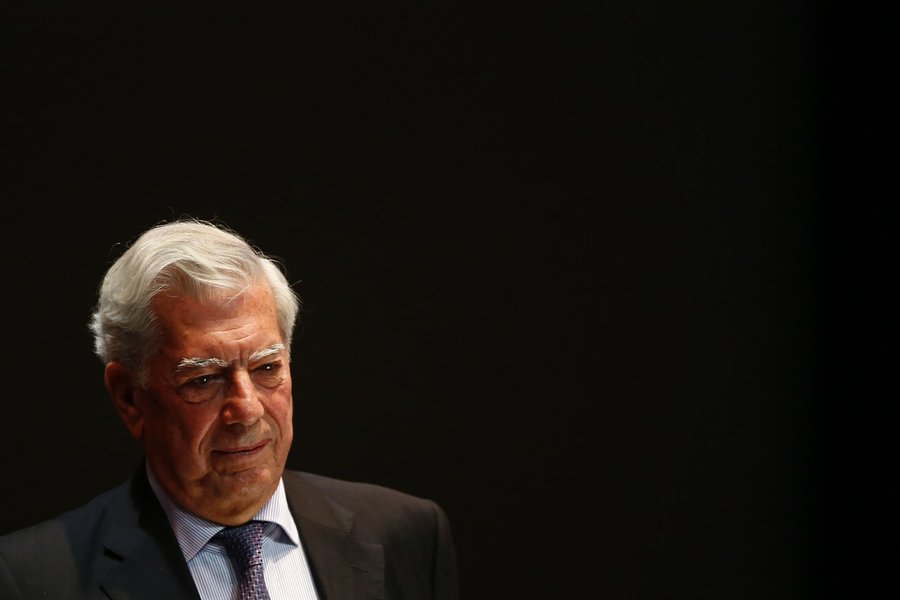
(216, 419)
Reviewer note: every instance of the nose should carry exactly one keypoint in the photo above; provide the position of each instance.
(242, 402)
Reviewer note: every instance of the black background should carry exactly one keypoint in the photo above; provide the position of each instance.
(564, 267)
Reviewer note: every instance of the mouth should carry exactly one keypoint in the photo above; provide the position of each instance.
(241, 451)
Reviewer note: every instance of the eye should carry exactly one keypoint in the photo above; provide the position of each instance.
(271, 367)
(268, 374)
(201, 388)
(202, 381)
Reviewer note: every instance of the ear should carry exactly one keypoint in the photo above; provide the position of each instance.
(123, 391)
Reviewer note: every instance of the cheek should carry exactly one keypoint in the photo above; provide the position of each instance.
(283, 415)
(283, 404)
(189, 430)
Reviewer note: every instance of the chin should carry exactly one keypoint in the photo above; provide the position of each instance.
(253, 481)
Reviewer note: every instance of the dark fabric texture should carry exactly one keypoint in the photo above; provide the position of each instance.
(362, 541)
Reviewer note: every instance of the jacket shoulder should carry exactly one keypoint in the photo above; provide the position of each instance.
(413, 532)
(367, 501)
(61, 546)
(377, 513)
(75, 523)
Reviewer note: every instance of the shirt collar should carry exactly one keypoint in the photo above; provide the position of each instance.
(193, 532)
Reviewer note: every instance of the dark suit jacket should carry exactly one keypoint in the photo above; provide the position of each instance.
(362, 541)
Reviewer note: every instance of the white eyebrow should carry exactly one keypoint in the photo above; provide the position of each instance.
(201, 363)
(261, 354)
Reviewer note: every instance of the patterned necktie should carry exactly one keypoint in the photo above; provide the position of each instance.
(244, 546)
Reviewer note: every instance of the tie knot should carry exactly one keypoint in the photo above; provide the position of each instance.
(244, 544)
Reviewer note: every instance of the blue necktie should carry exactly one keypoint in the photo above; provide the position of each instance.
(244, 546)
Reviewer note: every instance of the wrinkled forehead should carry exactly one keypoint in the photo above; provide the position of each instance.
(251, 312)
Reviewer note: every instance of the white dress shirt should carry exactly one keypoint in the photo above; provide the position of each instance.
(287, 572)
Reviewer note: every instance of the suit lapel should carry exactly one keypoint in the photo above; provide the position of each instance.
(148, 574)
(151, 565)
(343, 567)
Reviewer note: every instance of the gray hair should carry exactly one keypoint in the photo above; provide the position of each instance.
(189, 257)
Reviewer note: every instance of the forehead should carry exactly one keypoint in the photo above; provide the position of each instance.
(247, 322)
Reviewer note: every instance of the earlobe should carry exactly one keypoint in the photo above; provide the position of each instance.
(123, 391)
